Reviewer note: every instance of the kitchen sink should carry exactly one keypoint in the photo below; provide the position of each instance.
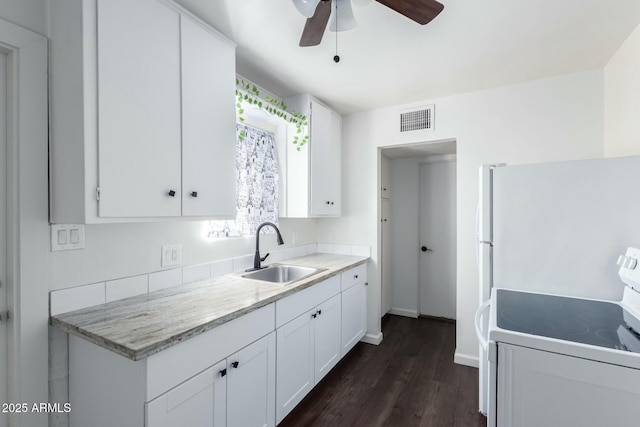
(282, 274)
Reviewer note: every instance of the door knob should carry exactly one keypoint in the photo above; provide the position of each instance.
(426, 249)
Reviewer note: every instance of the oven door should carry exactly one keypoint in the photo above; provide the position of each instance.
(540, 388)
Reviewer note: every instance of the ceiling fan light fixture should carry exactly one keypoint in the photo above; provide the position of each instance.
(343, 20)
(306, 7)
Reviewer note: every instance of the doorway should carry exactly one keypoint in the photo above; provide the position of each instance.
(400, 242)
(437, 288)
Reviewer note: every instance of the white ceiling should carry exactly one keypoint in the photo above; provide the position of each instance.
(390, 60)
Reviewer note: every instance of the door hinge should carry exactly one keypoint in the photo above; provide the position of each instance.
(98, 194)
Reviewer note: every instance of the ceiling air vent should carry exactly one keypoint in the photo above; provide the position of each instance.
(421, 119)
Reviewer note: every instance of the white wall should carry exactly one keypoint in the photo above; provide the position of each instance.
(622, 99)
(120, 250)
(544, 120)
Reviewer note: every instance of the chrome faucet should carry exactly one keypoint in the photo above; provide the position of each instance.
(257, 259)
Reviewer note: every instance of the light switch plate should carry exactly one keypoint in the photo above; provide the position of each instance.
(67, 237)
(171, 255)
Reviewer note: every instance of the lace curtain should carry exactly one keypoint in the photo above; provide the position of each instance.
(256, 184)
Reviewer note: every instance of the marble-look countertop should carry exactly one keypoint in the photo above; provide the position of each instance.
(140, 326)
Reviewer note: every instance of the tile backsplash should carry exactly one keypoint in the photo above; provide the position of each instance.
(71, 299)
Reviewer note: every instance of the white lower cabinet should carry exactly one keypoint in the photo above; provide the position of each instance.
(294, 363)
(327, 337)
(221, 395)
(248, 372)
(354, 306)
(251, 385)
(190, 403)
(308, 348)
(354, 315)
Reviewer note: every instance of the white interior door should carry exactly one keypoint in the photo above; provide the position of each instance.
(3, 235)
(438, 239)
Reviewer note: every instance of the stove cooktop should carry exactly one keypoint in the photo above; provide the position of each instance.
(597, 323)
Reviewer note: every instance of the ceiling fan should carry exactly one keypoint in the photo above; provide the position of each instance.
(318, 13)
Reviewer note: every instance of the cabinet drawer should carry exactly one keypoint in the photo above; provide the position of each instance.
(351, 277)
(293, 306)
(173, 365)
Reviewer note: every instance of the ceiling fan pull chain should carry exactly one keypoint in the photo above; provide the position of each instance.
(336, 58)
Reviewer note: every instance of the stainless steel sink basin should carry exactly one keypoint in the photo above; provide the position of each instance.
(282, 274)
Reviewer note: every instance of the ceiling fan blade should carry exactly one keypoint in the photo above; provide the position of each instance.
(315, 26)
(420, 11)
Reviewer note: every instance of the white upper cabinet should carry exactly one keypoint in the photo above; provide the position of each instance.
(143, 115)
(138, 108)
(314, 174)
(208, 123)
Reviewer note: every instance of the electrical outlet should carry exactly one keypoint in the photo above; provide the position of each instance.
(171, 255)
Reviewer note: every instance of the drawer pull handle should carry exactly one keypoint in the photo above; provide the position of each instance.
(314, 315)
(171, 193)
(319, 312)
(235, 364)
(223, 372)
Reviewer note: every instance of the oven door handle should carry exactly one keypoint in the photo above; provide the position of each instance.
(484, 342)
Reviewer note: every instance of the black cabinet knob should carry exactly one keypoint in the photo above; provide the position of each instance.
(314, 315)
(355, 276)
(319, 312)
(235, 364)
(426, 249)
(223, 372)
(328, 202)
(172, 193)
(194, 194)
(332, 203)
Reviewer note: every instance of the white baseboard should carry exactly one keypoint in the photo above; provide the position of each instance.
(374, 339)
(404, 312)
(466, 359)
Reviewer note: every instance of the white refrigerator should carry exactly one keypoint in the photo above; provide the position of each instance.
(556, 228)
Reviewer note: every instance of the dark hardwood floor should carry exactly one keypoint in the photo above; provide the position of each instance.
(408, 380)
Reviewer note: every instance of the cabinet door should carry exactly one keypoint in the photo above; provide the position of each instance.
(138, 109)
(354, 315)
(199, 401)
(327, 337)
(326, 168)
(208, 123)
(294, 366)
(251, 385)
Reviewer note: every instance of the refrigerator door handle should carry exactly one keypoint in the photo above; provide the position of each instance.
(478, 235)
(484, 341)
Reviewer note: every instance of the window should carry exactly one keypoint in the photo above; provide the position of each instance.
(256, 184)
